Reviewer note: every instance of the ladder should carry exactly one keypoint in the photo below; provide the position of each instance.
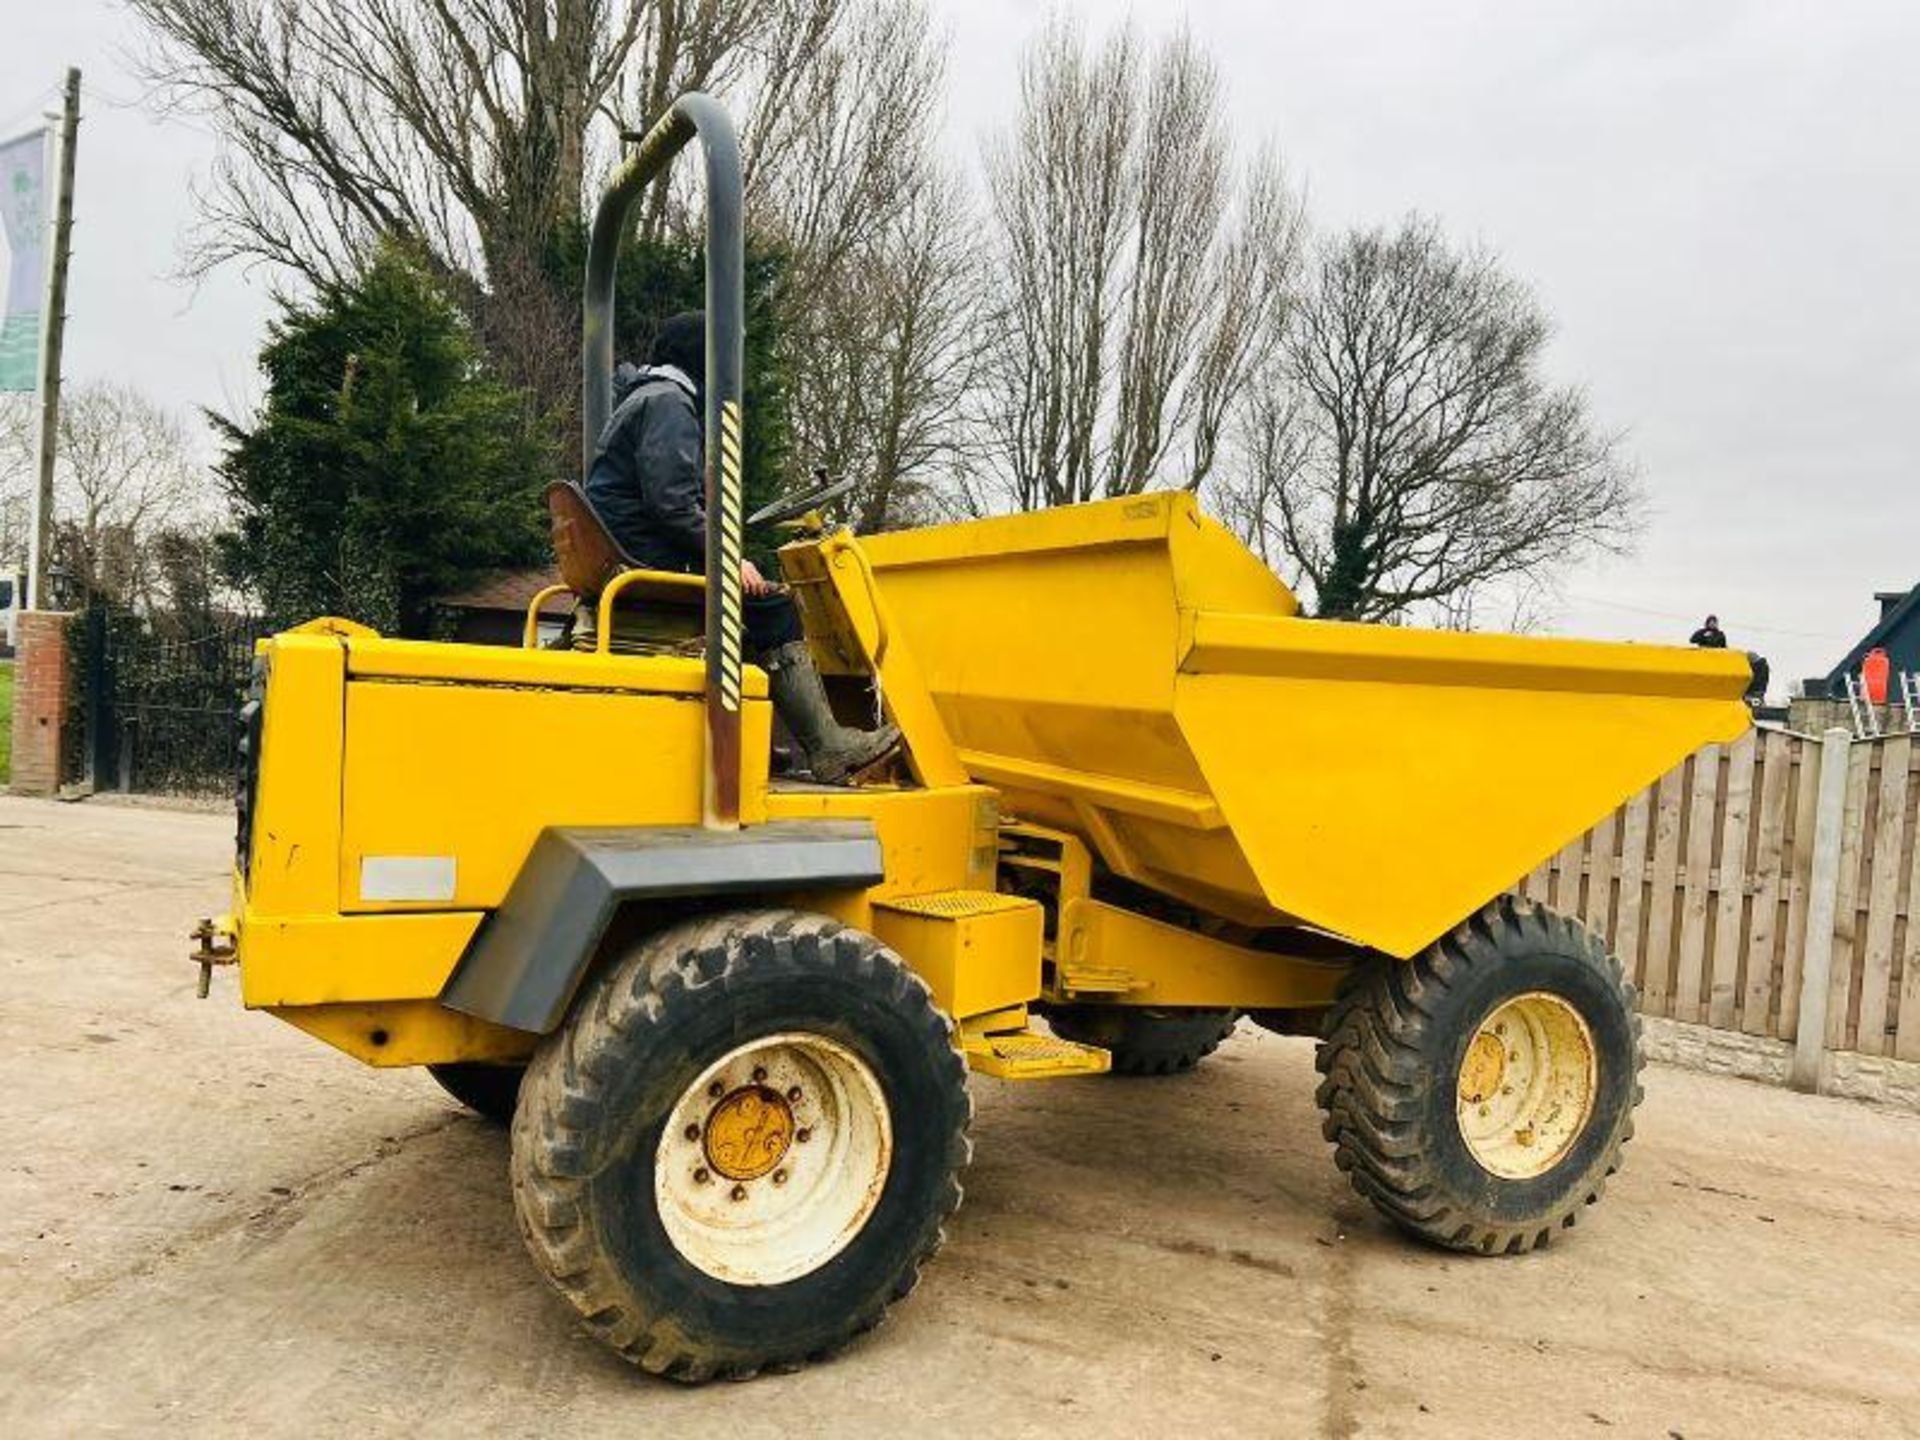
(1866, 715)
(1910, 698)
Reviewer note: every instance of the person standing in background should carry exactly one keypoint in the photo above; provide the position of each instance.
(1709, 636)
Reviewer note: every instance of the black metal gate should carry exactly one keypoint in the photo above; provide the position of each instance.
(159, 702)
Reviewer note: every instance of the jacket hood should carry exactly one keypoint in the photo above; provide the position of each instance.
(628, 378)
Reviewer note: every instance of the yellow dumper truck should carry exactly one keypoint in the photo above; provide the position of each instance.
(730, 1016)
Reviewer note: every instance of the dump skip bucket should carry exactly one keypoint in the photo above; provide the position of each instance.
(1129, 672)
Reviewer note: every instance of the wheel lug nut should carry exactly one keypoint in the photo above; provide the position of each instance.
(701, 1176)
(739, 1192)
(759, 1072)
(693, 1132)
(803, 1136)
(779, 1177)
(716, 1089)
(794, 1093)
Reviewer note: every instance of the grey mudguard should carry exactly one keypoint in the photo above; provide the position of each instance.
(531, 954)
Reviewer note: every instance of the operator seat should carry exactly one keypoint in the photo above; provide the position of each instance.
(663, 612)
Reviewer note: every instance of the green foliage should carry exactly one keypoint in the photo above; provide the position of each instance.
(659, 278)
(188, 566)
(387, 465)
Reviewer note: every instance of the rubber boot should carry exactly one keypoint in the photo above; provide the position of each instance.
(833, 750)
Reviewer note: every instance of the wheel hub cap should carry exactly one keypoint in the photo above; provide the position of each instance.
(773, 1159)
(748, 1133)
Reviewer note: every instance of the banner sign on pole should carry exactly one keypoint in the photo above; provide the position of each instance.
(23, 213)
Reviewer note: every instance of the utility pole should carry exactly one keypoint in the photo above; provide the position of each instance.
(53, 322)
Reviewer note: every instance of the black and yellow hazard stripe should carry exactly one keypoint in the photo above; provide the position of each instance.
(730, 555)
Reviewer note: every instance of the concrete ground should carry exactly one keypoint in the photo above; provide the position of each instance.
(210, 1223)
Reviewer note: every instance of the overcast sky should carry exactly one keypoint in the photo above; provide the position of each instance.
(1718, 202)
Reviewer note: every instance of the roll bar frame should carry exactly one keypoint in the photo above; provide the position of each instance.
(693, 115)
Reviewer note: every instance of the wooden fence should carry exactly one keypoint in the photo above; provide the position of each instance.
(1703, 884)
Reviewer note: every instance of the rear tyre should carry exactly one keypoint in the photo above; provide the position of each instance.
(1479, 1095)
(743, 1144)
(489, 1090)
(1142, 1040)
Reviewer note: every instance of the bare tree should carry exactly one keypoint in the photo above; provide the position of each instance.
(17, 414)
(1060, 184)
(1252, 291)
(886, 356)
(465, 128)
(1179, 191)
(1405, 451)
(882, 272)
(126, 474)
(852, 140)
(1519, 606)
(1141, 268)
(927, 308)
(1269, 447)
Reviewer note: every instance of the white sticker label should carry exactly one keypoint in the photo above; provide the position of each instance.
(406, 877)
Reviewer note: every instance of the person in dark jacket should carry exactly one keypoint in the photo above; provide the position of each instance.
(1709, 636)
(648, 485)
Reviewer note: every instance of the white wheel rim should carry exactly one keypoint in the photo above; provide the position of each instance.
(1526, 1085)
(773, 1159)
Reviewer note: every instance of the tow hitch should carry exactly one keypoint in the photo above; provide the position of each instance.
(215, 947)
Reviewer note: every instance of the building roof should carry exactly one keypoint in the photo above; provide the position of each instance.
(509, 590)
(1897, 632)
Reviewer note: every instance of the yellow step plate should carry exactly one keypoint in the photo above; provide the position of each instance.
(1023, 1055)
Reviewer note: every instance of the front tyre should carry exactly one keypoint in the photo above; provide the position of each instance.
(743, 1144)
(1480, 1094)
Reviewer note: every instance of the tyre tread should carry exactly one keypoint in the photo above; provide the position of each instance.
(1373, 1059)
(632, 1004)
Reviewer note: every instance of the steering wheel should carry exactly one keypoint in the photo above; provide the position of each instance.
(792, 507)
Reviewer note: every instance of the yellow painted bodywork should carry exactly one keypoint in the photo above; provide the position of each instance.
(506, 761)
(407, 1032)
(1128, 672)
(400, 749)
(1130, 686)
(935, 839)
(376, 748)
(1104, 953)
(1020, 1054)
(296, 828)
(852, 628)
(328, 960)
(977, 950)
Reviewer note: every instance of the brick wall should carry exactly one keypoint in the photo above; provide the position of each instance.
(40, 685)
